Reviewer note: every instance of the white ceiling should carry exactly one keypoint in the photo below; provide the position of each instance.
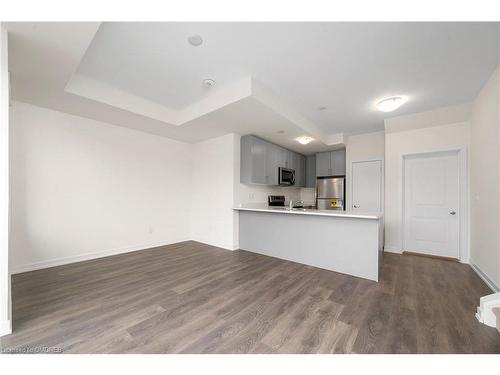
(343, 66)
(270, 76)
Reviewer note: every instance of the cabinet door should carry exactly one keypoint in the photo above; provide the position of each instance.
(310, 171)
(300, 172)
(273, 153)
(338, 163)
(246, 159)
(294, 164)
(281, 157)
(323, 164)
(258, 161)
(293, 160)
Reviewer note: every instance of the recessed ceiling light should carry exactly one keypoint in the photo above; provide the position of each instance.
(304, 140)
(391, 104)
(321, 108)
(195, 40)
(208, 82)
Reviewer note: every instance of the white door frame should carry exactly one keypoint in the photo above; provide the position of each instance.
(382, 178)
(463, 238)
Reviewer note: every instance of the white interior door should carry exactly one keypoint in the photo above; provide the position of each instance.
(431, 204)
(367, 186)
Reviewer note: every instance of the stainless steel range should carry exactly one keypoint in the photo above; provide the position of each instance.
(276, 200)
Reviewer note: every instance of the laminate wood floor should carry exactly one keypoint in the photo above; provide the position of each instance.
(194, 298)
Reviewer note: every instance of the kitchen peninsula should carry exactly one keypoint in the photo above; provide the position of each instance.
(340, 241)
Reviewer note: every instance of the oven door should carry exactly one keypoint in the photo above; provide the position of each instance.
(286, 176)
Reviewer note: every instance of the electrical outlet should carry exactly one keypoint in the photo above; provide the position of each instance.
(150, 230)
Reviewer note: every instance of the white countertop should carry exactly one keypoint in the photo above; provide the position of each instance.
(301, 211)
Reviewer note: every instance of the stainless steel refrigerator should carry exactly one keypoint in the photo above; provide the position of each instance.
(330, 193)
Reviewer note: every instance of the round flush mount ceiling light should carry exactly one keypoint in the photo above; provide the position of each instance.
(391, 104)
(195, 40)
(208, 82)
(304, 140)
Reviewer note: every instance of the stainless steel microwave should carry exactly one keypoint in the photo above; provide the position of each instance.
(286, 176)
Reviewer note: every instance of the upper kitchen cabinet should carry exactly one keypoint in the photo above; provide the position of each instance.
(310, 171)
(338, 162)
(253, 160)
(298, 163)
(260, 161)
(323, 164)
(284, 156)
(330, 163)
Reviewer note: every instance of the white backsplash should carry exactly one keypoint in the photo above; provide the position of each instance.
(308, 195)
(257, 194)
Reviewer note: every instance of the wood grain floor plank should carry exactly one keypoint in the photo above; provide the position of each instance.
(195, 298)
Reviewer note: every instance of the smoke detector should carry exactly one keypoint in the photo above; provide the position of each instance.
(195, 40)
(208, 82)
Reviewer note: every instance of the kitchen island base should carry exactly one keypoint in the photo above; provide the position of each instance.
(346, 244)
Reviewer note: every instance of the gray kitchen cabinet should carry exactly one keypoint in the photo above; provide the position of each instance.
(330, 163)
(296, 165)
(253, 160)
(246, 159)
(310, 174)
(338, 162)
(283, 157)
(292, 161)
(323, 164)
(260, 160)
(300, 171)
(272, 161)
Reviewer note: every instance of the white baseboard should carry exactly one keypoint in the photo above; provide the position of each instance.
(222, 245)
(89, 256)
(485, 278)
(5, 327)
(392, 249)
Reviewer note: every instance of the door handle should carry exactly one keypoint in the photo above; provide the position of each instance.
(452, 212)
(356, 206)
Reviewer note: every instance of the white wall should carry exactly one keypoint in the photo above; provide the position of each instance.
(397, 143)
(82, 188)
(213, 192)
(440, 116)
(485, 180)
(5, 321)
(362, 147)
